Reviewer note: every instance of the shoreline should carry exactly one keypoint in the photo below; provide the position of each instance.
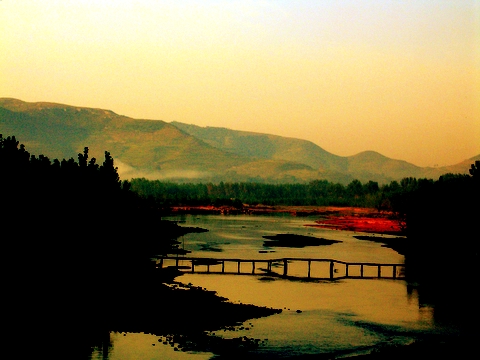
(367, 220)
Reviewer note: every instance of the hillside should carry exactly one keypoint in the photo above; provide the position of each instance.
(365, 166)
(264, 146)
(157, 149)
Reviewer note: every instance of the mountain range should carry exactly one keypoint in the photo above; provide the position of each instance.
(155, 149)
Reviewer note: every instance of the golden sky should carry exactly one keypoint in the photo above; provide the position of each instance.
(398, 77)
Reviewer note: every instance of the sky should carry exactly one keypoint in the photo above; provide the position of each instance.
(398, 77)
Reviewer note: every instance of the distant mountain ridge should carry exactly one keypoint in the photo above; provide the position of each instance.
(175, 151)
(367, 165)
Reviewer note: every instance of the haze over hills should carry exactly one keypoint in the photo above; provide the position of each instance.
(175, 151)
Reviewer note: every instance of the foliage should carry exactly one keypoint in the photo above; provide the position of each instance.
(447, 208)
(443, 250)
(316, 193)
(71, 229)
(73, 201)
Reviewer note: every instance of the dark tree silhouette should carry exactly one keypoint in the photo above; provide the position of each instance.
(443, 247)
(475, 170)
(65, 228)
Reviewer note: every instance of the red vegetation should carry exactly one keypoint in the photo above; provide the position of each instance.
(362, 224)
(330, 217)
(361, 220)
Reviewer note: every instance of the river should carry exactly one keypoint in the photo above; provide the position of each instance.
(344, 317)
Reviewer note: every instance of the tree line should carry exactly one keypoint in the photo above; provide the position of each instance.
(314, 193)
(443, 248)
(76, 243)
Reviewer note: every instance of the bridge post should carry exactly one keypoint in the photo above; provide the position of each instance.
(309, 266)
(394, 275)
(285, 267)
(379, 271)
(331, 269)
(193, 266)
(253, 267)
(346, 270)
(223, 266)
(361, 270)
(238, 267)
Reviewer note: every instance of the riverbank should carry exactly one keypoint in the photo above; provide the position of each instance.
(357, 219)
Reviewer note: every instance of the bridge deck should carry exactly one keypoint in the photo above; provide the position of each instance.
(302, 268)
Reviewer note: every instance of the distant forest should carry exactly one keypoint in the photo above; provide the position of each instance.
(389, 197)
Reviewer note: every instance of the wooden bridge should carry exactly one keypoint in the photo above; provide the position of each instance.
(293, 268)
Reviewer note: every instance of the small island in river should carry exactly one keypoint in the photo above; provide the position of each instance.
(295, 241)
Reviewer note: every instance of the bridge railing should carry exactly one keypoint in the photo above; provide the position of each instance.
(304, 268)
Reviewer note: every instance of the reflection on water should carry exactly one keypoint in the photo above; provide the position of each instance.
(383, 301)
(349, 316)
(139, 346)
(326, 316)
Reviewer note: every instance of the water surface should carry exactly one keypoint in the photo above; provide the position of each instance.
(341, 317)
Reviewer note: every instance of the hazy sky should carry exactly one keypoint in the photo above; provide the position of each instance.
(398, 77)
